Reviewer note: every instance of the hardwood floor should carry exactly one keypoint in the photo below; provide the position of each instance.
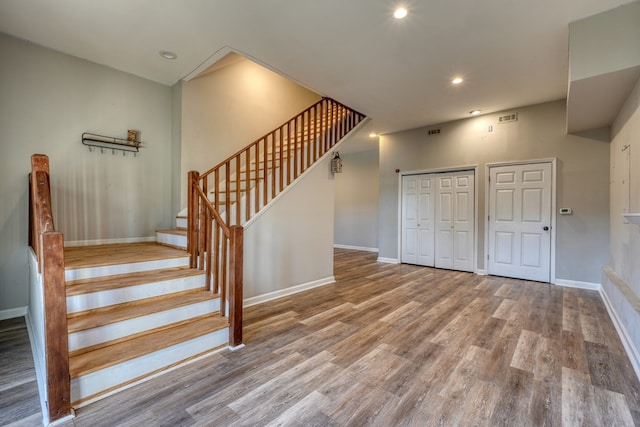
(394, 345)
(19, 402)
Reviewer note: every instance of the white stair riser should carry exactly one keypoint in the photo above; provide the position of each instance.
(89, 337)
(171, 239)
(108, 297)
(181, 222)
(120, 374)
(134, 267)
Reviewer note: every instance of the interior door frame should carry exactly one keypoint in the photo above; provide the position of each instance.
(474, 169)
(554, 174)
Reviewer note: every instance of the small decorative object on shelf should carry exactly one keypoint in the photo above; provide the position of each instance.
(129, 145)
(132, 137)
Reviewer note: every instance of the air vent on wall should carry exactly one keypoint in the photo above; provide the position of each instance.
(431, 132)
(508, 118)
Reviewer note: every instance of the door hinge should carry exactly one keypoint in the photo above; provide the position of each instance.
(488, 217)
(487, 257)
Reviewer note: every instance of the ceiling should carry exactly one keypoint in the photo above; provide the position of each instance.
(397, 72)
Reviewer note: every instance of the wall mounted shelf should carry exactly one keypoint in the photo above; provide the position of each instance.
(102, 142)
(632, 218)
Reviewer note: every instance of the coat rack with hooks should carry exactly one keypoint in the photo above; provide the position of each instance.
(105, 143)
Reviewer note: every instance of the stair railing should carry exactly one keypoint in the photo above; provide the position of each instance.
(218, 249)
(232, 192)
(48, 245)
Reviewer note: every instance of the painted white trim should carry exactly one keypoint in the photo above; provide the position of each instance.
(132, 267)
(41, 377)
(464, 168)
(248, 302)
(171, 239)
(627, 343)
(147, 322)
(554, 184)
(440, 170)
(481, 272)
(75, 243)
(147, 378)
(236, 348)
(577, 284)
(388, 260)
(118, 375)
(355, 248)
(12, 313)
(93, 300)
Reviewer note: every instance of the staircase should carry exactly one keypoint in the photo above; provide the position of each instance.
(136, 310)
(132, 311)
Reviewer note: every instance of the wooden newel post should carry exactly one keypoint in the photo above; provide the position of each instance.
(236, 243)
(192, 218)
(55, 323)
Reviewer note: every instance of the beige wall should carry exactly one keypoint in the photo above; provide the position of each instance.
(226, 110)
(356, 202)
(290, 244)
(48, 99)
(582, 238)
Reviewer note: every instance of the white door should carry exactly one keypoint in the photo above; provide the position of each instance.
(455, 220)
(417, 220)
(520, 221)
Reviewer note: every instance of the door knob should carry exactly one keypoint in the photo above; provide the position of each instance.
(545, 228)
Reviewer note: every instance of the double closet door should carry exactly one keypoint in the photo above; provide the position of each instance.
(438, 220)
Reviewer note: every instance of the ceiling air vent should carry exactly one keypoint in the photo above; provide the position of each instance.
(432, 132)
(508, 118)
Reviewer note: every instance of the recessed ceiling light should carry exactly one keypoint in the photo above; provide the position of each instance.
(457, 80)
(168, 55)
(400, 13)
(475, 112)
(373, 135)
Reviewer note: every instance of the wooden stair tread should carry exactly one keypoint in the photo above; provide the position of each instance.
(176, 231)
(83, 286)
(111, 314)
(101, 255)
(141, 344)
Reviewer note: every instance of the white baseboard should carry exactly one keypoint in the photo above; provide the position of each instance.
(388, 260)
(480, 272)
(75, 243)
(12, 313)
(355, 248)
(630, 348)
(287, 291)
(576, 284)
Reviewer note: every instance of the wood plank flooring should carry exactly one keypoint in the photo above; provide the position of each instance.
(391, 345)
(19, 402)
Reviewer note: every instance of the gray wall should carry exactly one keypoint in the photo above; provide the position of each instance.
(356, 201)
(622, 288)
(48, 100)
(582, 238)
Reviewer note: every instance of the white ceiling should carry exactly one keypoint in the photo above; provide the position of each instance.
(397, 72)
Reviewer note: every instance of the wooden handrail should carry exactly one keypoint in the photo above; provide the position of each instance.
(246, 182)
(48, 246)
